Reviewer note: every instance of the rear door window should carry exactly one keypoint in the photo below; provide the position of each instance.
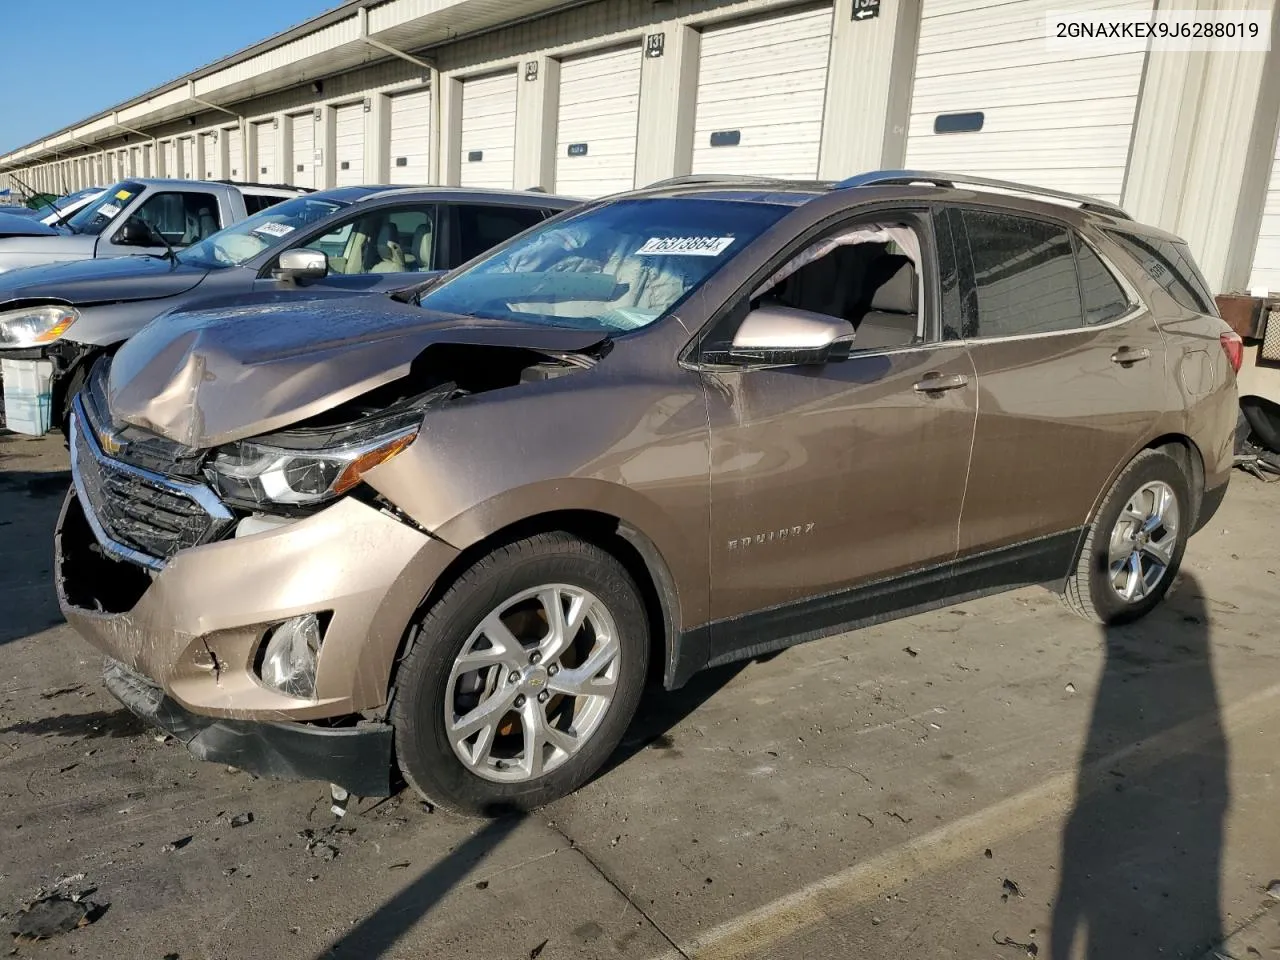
(1104, 298)
(482, 226)
(1024, 276)
(257, 202)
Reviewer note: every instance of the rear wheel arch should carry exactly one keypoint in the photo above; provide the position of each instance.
(1179, 446)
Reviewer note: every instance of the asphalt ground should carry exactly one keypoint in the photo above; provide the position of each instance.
(994, 780)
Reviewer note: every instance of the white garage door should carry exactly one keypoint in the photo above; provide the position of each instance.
(212, 157)
(235, 153)
(148, 161)
(1266, 258)
(265, 168)
(1053, 118)
(188, 147)
(411, 137)
(489, 131)
(350, 146)
(170, 148)
(135, 162)
(302, 167)
(761, 87)
(596, 131)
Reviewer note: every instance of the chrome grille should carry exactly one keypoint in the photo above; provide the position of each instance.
(138, 515)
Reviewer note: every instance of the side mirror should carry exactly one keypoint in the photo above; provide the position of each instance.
(784, 335)
(301, 264)
(135, 233)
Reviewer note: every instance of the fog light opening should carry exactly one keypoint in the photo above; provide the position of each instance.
(287, 662)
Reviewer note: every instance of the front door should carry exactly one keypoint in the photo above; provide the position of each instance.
(1071, 370)
(825, 478)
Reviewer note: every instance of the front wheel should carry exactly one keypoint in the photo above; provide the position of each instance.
(521, 680)
(1134, 546)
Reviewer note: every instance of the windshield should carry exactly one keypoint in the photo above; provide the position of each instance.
(243, 241)
(615, 268)
(93, 217)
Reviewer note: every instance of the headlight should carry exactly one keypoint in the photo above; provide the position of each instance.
(32, 326)
(257, 473)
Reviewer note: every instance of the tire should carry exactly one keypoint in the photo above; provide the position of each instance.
(1089, 590)
(427, 681)
(74, 383)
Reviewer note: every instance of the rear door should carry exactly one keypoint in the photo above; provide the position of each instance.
(1070, 366)
(472, 228)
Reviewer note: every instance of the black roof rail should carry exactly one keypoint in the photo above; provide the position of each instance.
(884, 177)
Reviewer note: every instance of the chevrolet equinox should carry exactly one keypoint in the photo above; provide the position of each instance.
(452, 530)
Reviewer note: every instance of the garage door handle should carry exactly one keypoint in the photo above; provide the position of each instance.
(937, 382)
(1126, 355)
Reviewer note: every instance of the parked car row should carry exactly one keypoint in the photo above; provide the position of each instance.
(56, 319)
(433, 481)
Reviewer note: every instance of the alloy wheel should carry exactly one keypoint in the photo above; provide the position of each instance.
(1143, 541)
(532, 683)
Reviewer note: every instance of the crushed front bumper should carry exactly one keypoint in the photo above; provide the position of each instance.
(357, 758)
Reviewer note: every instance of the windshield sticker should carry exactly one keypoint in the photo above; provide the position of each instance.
(274, 229)
(123, 194)
(685, 246)
(108, 210)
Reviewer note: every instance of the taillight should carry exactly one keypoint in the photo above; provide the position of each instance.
(1233, 347)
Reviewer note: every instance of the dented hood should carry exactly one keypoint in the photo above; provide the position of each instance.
(210, 376)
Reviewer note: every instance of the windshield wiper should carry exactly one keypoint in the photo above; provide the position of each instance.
(171, 255)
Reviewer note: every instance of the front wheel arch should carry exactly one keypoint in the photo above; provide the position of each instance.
(633, 548)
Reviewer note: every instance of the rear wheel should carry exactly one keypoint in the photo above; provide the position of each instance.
(1135, 543)
(520, 681)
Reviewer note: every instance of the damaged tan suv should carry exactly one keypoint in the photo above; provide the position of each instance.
(454, 531)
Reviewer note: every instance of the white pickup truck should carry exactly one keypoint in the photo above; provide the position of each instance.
(142, 216)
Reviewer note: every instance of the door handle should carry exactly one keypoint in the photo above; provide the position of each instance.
(938, 382)
(1127, 355)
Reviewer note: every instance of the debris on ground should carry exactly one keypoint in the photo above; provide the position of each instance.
(1273, 889)
(911, 651)
(1030, 947)
(482, 885)
(1071, 688)
(987, 853)
(176, 844)
(340, 797)
(1011, 889)
(318, 841)
(897, 816)
(401, 865)
(61, 691)
(536, 952)
(52, 916)
(241, 819)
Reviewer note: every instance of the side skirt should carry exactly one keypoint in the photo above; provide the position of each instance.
(1047, 560)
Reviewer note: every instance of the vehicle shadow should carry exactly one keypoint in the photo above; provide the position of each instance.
(660, 710)
(1141, 851)
(378, 933)
(29, 505)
